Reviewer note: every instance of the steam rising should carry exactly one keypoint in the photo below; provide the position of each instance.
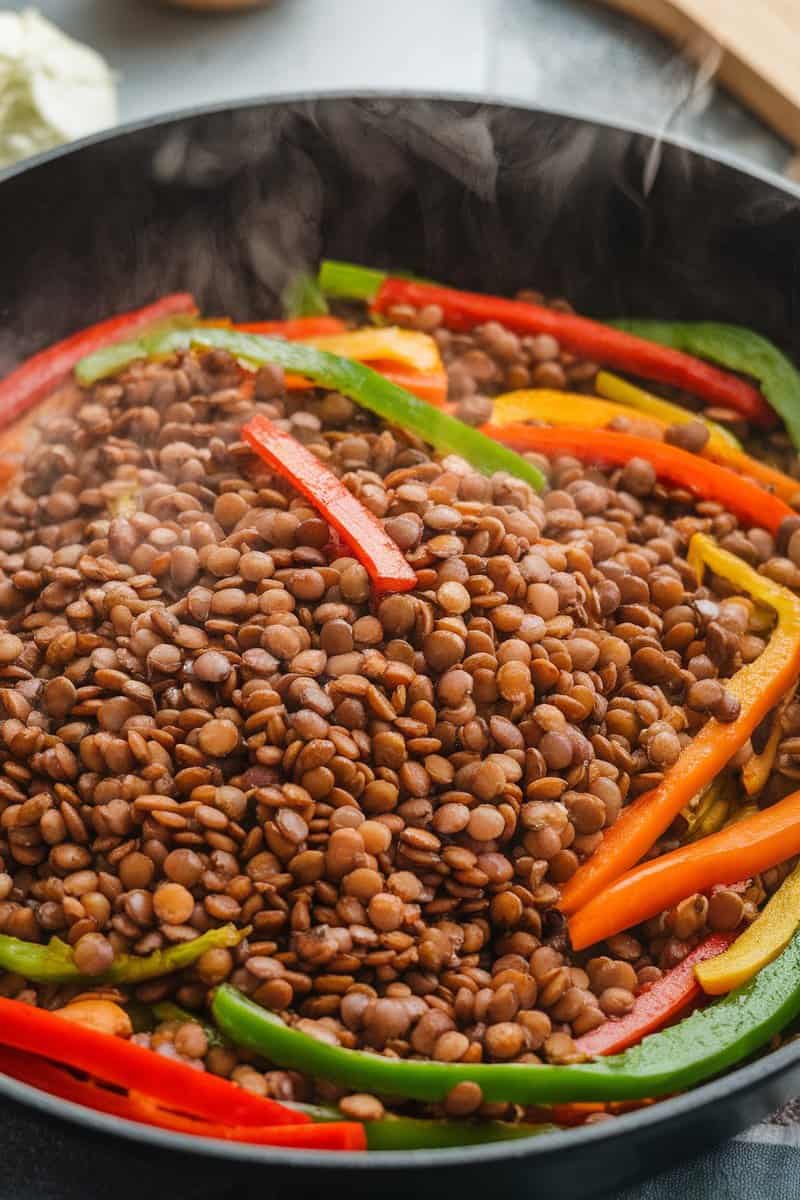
(230, 205)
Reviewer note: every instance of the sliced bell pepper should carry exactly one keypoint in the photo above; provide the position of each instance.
(587, 412)
(735, 347)
(668, 997)
(134, 1106)
(34, 379)
(124, 1064)
(580, 335)
(430, 386)
(55, 962)
(712, 811)
(613, 388)
(404, 356)
(338, 1135)
(302, 297)
(447, 434)
(671, 1060)
(417, 1133)
(405, 346)
(754, 844)
(758, 686)
(295, 329)
(357, 526)
(751, 504)
(762, 941)
(565, 408)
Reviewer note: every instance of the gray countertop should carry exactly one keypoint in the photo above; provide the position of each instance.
(558, 53)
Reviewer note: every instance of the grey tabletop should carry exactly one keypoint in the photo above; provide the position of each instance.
(557, 53)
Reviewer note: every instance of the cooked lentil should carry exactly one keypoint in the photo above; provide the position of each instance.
(205, 717)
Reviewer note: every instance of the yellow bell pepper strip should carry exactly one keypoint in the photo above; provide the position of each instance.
(758, 687)
(756, 771)
(567, 408)
(762, 941)
(613, 388)
(711, 813)
(405, 346)
(743, 849)
(588, 412)
(368, 389)
(55, 962)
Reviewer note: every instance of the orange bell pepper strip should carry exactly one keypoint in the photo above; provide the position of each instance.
(430, 386)
(722, 447)
(134, 1106)
(588, 412)
(405, 356)
(295, 329)
(754, 844)
(358, 527)
(751, 504)
(762, 941)
(668, 997)
(758, 687)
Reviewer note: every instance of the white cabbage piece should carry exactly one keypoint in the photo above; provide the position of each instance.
(52, 88)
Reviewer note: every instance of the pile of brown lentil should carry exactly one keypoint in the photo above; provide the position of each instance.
(206, 716)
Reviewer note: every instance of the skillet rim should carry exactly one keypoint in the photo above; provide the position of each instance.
(768, 1067)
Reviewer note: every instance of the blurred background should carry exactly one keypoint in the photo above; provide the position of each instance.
(575, 54)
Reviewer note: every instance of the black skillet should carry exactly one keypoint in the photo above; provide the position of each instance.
(229, 204)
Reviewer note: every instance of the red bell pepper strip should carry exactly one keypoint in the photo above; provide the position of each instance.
(134, 1106)
(708, 480)
(359, 528)
(43, 373)
(669, 996)
(334, 1135)
(295, 328)
(581, 335)
(126, 1065)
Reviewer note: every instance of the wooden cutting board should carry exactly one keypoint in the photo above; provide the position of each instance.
(759, 42)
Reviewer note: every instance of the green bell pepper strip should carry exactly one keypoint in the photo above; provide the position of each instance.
(734, 347)
(672, 1060)
(348, 281)
(366, 387)
(418, 1133)
(55, 962)
(302, 297)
